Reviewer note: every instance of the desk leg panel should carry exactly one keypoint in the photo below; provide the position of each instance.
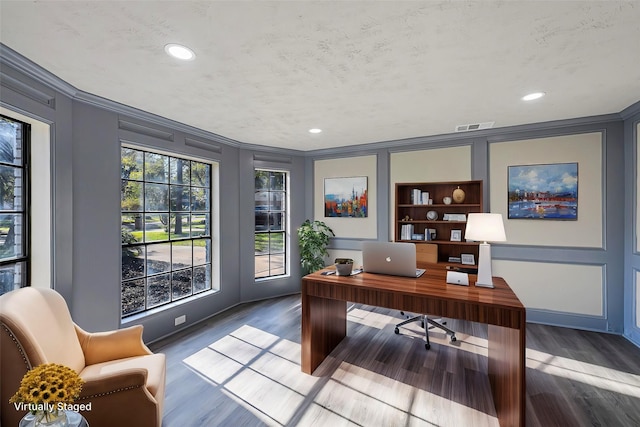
(506, 366)
(324, 325)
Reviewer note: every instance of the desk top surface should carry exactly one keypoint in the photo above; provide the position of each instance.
(431, 284)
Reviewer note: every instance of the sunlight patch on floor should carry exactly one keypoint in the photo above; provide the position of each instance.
(370, 319)
(587, 373)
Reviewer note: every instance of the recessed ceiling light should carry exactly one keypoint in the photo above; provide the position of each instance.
(180, 52)
(532, 96)
(315, 130)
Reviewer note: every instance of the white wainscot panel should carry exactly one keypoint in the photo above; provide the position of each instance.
(570, 288)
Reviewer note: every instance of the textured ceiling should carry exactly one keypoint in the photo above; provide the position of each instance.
(364, 71)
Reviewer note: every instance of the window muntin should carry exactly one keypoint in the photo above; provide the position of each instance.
(14, 204)
(270, 242)
(166, 229)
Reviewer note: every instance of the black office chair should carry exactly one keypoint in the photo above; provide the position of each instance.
(427, 323)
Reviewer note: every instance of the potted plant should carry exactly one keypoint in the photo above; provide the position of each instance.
(313, 239)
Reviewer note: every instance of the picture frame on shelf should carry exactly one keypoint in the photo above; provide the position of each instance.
(456, 235)
(467, 259)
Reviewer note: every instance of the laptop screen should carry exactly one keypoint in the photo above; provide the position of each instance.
(394, 258)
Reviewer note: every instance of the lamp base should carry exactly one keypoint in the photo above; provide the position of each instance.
(485, 279)
(485, 285)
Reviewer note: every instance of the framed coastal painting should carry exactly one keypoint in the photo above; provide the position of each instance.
(345, 197)
(547, 191)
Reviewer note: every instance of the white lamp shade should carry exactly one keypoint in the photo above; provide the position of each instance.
(485, 227)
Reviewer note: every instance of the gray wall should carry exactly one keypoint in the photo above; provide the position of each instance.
(631, 255)
(86, 134)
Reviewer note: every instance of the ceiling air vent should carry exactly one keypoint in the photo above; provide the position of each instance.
(474, 126)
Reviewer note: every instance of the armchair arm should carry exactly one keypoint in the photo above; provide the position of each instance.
(105, 346)
(113, 382)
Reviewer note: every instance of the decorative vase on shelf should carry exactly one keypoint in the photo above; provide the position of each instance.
(458, 195)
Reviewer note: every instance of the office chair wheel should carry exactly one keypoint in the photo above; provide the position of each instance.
(453, 338)
(427, 346)
(397, 331)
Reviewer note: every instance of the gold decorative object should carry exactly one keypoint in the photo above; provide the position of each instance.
(458, 195)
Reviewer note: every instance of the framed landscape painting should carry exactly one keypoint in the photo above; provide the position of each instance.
(345, 197)
(543, 191)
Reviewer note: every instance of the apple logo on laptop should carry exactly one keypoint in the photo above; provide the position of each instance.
(388, 259)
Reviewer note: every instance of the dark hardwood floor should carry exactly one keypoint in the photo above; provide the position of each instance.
(242, 368)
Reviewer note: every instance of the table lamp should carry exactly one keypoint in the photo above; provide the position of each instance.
(485, 227)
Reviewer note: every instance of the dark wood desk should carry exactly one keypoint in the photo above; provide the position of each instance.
(324, 322)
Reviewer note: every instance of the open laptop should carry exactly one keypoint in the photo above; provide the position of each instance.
(396, 259)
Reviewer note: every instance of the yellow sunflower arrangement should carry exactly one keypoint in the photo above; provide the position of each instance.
(46, 389)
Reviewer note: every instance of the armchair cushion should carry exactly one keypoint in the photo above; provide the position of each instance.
(104, 346)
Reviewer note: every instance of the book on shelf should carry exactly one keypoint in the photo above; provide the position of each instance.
(424, 198)
(406, 232)
(416, 196)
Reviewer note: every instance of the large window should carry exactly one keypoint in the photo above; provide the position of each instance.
(270, 223)
(166, 229)
(14, 204)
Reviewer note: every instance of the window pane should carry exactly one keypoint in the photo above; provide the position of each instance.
(181, 254)
(200, 225)
(180, 171)
(199, 199)
(262, 200)
(276, 221)
(179, 198)
(158, 290)
(276, 242)
(11, 231)
(12, 276)
(131, 196)
(156, 197)
(132, 296)
(156, 167)
(10, 141)
(131, 228)
(179, 226)
(277, 201)
(201, 251)
(262, 243)
(201, 278)
(262, 266)
(10, 188)
(277, 265)
(262, 221)
(132, 262)
(277, 180)
(200, 173)
(181, 284)
(131, 164)
(155, 227)
(262, 179)
(158, 258)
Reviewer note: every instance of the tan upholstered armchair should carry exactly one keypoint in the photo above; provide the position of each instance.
(124, 380)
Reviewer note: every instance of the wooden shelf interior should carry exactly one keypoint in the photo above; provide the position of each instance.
(417, 215)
